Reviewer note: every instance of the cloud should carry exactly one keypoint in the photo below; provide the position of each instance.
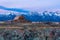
(31, 3)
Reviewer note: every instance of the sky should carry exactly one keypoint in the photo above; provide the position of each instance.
(31, 4)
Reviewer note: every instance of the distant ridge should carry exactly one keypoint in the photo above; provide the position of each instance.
(14, 9)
